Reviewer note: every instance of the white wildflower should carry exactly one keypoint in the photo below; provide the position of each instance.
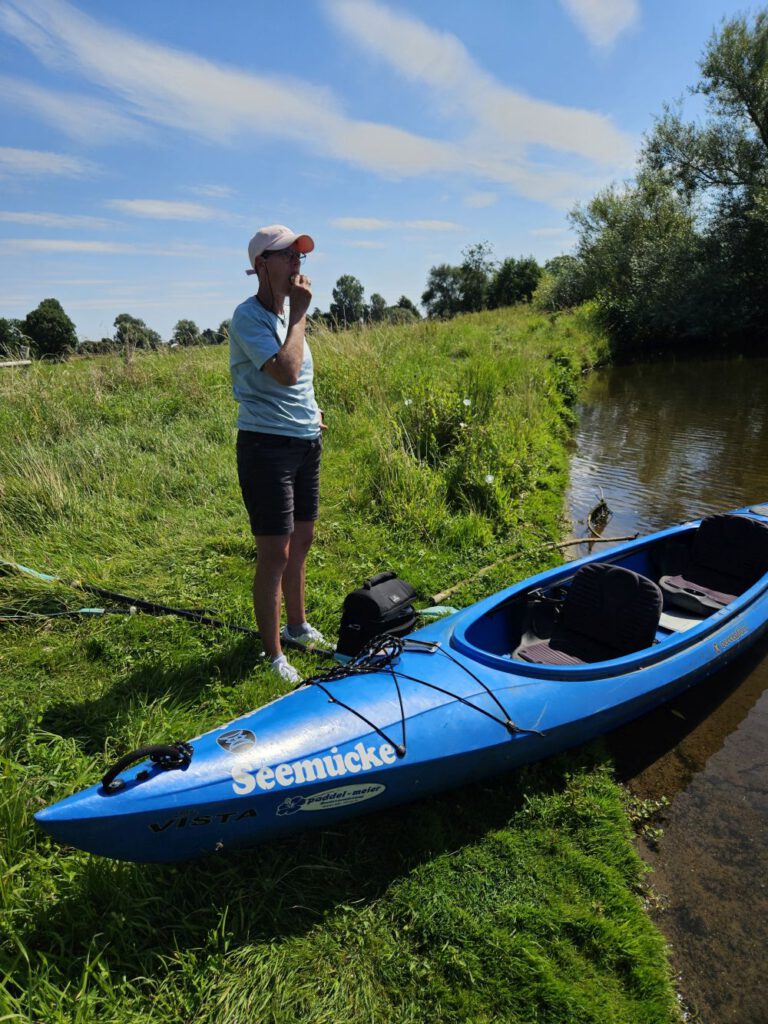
(408, 401)
(462, 425)
(467, 401)
(489, 478)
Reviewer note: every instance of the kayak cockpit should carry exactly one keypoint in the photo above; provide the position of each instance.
(608, 611)
(632, 606)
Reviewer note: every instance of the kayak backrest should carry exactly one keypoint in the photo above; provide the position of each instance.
(728, 555)
(732, 546)
(613, 607)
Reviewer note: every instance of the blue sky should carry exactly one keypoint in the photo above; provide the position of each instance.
(143, 144)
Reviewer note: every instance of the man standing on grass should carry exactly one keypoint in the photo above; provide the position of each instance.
(279, 428)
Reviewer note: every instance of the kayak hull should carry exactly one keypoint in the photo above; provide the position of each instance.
(445, 713)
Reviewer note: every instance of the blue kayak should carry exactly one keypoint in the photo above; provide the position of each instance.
(547, 664)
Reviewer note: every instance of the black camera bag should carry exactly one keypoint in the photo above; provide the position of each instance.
(381, 605)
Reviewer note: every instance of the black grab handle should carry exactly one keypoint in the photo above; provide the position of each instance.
(380, 577)
(165, 755)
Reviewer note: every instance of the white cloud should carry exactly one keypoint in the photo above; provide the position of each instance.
(86, 246)
(364, 244)
(222, 104)
(138, 296)
(376, 224)
(162, 209)
(84, 282)
(196, 96)
(211, 191)
(78, 116)
(362, 223)
(65, 245)
(24, 162)
(432, 225)
(164, 85)
(479, 200)
(603, 21)
(505, 119)
(52, 220)
(550, 232)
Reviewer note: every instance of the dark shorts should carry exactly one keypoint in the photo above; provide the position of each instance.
(279, 480)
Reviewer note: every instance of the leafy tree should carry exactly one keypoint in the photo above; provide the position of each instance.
(12, 337)
(642, 259)
(92, 347)
(377, 307)
(217, 337)
(317, 318)
(348, 306)
(442, 296)
(721, 166)
(514, 281)
(400, 315)
(729, 152)
(130, 331)
(405, 303)
(186, 332)
(683, 252)
(463, 289)
(475, 274)
(50, 330)
(562, 285)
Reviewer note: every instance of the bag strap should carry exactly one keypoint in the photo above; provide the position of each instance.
(380, 577)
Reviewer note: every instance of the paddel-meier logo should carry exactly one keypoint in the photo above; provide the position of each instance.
(328, 799)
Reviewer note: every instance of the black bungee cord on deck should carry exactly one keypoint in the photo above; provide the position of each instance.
(379, 655)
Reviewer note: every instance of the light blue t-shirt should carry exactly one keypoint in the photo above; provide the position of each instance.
(256, 335)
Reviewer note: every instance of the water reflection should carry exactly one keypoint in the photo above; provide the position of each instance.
(671, 441)
(665, 443)
(660, 754)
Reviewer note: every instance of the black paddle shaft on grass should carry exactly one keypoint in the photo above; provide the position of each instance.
(154, 608)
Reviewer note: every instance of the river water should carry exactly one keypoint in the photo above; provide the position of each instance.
(663, 443)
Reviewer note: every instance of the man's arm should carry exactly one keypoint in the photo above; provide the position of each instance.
(285, 366)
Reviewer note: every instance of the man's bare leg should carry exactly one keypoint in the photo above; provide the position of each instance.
(272, 560)
(293, 576)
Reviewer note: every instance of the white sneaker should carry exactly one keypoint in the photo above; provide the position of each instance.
(281, 667)
(308, 637)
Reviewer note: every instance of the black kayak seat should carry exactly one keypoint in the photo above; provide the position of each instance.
(608, 612)
(729, 554)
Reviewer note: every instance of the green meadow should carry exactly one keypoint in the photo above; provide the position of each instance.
(516, 900)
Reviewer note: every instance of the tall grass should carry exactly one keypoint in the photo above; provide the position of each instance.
(511, 901)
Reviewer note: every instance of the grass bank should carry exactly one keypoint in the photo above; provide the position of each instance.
(516, 900)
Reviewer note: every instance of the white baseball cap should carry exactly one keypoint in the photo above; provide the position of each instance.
(276, 237)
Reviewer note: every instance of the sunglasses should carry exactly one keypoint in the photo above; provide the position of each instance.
(290, 254)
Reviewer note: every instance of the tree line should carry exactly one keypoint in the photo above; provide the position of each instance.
(479, 282)
(48, 333)
(680, 254)
(349, 307)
